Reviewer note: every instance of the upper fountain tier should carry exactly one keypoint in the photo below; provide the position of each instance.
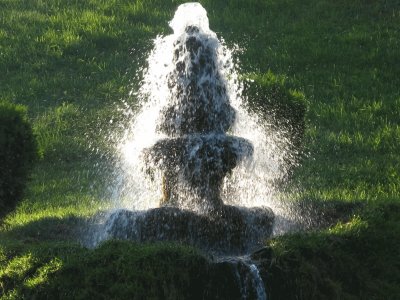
(197, 153)
(198, 101)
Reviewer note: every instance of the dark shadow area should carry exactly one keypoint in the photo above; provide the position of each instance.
(47, 230)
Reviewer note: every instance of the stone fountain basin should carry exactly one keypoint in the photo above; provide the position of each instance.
(215, 153)
(233, 230)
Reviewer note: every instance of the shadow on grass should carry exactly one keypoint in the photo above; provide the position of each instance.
(47, 229)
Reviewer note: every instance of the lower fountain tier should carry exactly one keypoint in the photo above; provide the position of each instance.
(233, 230)
(198, 163)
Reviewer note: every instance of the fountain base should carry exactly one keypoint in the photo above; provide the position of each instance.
(233, 230)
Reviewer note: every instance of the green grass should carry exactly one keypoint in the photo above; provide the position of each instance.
(73, 62)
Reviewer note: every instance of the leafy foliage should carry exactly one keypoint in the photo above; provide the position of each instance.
(18, 151)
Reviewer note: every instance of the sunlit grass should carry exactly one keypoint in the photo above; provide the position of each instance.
(42, 274)
(19, 269)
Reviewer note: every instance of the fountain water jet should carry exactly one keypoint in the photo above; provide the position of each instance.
(197, 154)
(189, 152)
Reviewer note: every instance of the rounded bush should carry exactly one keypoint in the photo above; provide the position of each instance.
(18, 151)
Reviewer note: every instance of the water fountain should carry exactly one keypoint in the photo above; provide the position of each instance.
(195, 166)
(193, 151)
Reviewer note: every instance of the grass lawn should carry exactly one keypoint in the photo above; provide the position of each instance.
(73, 64)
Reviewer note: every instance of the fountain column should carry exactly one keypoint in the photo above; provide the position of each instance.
(198, 153)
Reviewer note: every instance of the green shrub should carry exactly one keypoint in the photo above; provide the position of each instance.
(17, 153)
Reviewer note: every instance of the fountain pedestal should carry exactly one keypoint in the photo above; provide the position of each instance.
(231, 230)
(194, 167)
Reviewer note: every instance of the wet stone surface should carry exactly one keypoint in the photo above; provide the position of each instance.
(230, 229)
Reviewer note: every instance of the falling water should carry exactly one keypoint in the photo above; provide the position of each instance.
(250, 281)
